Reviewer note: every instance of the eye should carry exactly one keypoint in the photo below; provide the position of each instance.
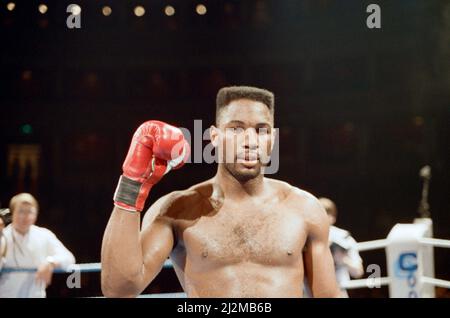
(263, 131)
(236, 130)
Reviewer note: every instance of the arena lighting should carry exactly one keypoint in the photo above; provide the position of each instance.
(200, 9)
(139, 11)
(106, 10)
(169, 11)
(42, 8)
(10, 6)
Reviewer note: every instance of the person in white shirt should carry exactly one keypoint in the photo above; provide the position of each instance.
(2, 240)
(347, 261)
(30, 246)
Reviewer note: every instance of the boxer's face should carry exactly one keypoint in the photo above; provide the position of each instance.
(244, 138)
(24, 216)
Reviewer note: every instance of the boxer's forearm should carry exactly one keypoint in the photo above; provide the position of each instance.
(122, 261)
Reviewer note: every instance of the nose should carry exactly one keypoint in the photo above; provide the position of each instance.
(251, 139)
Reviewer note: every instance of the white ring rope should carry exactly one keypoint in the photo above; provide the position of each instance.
(435, 282)
(435, 242)
(366, 283)
(82, 268)
(371, 245)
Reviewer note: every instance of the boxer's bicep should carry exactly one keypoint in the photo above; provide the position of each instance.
(156, 240)
(319, 265)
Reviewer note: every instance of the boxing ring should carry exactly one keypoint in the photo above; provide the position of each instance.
(410, 261)
(409, 254)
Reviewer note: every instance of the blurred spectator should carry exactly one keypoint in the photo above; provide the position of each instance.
(30, 246)
(347, 261)
(2, 242)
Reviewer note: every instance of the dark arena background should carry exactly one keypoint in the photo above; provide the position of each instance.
(360, 111)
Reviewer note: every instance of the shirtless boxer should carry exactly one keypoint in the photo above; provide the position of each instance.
(239, 234)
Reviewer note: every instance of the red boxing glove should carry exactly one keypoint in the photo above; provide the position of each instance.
(155, 149)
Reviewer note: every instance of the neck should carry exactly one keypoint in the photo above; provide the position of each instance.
(233, 188)
(21, 232)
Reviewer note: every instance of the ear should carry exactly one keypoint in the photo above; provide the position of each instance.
(214, 134)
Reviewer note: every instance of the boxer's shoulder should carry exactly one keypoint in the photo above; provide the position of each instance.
(304, 203)
(280, 186)
(177, 203)
(292, 194)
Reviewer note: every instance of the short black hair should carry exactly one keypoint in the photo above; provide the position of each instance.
(231, 93)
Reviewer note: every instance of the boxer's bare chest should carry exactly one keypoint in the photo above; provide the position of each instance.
(264, 233)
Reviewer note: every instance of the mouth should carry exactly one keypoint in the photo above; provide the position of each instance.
(248, 159)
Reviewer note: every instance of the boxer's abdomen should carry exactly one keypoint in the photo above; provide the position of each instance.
(245, 280)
